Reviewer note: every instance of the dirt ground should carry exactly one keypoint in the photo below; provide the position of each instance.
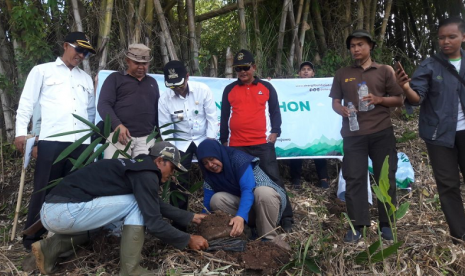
(316, 241)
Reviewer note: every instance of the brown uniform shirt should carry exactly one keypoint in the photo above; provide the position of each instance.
(381, 82)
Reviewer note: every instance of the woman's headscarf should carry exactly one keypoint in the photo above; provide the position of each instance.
(235, 162)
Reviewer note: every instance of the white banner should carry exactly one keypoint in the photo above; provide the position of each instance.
(310, 128)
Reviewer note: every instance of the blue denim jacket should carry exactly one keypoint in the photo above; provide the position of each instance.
(439, 94)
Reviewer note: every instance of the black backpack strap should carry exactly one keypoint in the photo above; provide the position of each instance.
(449, 68)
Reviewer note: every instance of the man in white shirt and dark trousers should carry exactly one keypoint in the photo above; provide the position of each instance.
(61, 88)
(192, 107)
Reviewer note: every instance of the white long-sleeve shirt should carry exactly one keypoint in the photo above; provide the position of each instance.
(60, 93)
(196, 113)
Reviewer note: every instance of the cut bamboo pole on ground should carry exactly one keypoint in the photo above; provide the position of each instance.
(20, 198)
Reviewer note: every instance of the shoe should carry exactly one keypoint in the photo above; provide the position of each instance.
(132, 241)
(286, 225)
(386, 233)
(47, 251)
(350, 237)
(324, 184)
(296, 184)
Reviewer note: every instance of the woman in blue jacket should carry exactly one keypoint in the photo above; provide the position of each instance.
(235, 184)
(442, 123)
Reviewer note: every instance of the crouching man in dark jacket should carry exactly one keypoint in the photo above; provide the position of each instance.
(116, 190)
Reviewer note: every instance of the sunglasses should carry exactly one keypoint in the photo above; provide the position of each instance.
(80, 50)
(242, 68)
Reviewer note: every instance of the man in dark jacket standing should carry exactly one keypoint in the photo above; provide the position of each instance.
(251, 120)
(116, 190)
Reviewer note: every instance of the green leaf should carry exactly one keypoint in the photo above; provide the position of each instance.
(383, 254)
(174, 139)
(378, 193)
(85, 154)
(69, 132)
(151, 136)
(72, 147)
(312, 266)
(168, 124)
(116, 154)
(107, 127)
(171, 131)
(52, 184)
(114, 140)
(91, 125)
(402, 210)
(96, 153)
(194, 188)
(362, 257)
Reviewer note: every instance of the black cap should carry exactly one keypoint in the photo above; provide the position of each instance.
(243, 58)
(169, 152)
(360, 33)
(175, 73)
(81, 40)
(306, 63)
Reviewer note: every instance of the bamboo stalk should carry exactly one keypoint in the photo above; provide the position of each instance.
(78, 22)
(387, 13)
(242, 26)
(282, 29)
(106, 33)
(164, 29)
(228, 71)
(194, 60)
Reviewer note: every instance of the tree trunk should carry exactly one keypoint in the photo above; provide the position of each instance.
(193, 43)
(163, 50)
(182, 31)
(373, 15)
(214, 66)
(149, 24)
(366, 13)
(138, 25)
(295, 44)
(106, 34)
(77, 19)
(282, 29)
(360, 14)
(242, 26)
(224, 10)
(164, 29)
(131, 11)
(387, 14)
(228, 71)
(320, 33)
(258, 42)
(304, 26)
(5, 99)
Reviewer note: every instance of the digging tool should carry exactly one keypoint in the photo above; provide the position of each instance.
(20, 198)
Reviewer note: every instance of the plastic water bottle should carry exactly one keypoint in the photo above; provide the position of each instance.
(363, 92)
(353, 123)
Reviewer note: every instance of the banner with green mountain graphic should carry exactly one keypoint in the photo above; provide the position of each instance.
(310, 128)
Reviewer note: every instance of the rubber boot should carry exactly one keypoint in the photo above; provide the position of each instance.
(132, 241)
(47, 251)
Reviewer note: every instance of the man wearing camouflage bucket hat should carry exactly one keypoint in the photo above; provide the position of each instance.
(130, 98)
(113, 190)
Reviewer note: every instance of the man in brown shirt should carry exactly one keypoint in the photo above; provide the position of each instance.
(375, 137)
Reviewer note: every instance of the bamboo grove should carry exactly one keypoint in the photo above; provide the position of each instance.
(206, 33)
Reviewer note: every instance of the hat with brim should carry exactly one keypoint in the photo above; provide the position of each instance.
(139, 53)
(360, 33)
(81, 40)
(306, 63)
(168, 152)
(175, 73)
(243, 58)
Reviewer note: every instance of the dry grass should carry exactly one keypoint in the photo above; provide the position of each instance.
(427, 248)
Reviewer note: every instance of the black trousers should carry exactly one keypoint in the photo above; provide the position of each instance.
(269, 165)
(295, 166)
(46, 171)
(446, 163)
(184, 181)
(357, 149)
